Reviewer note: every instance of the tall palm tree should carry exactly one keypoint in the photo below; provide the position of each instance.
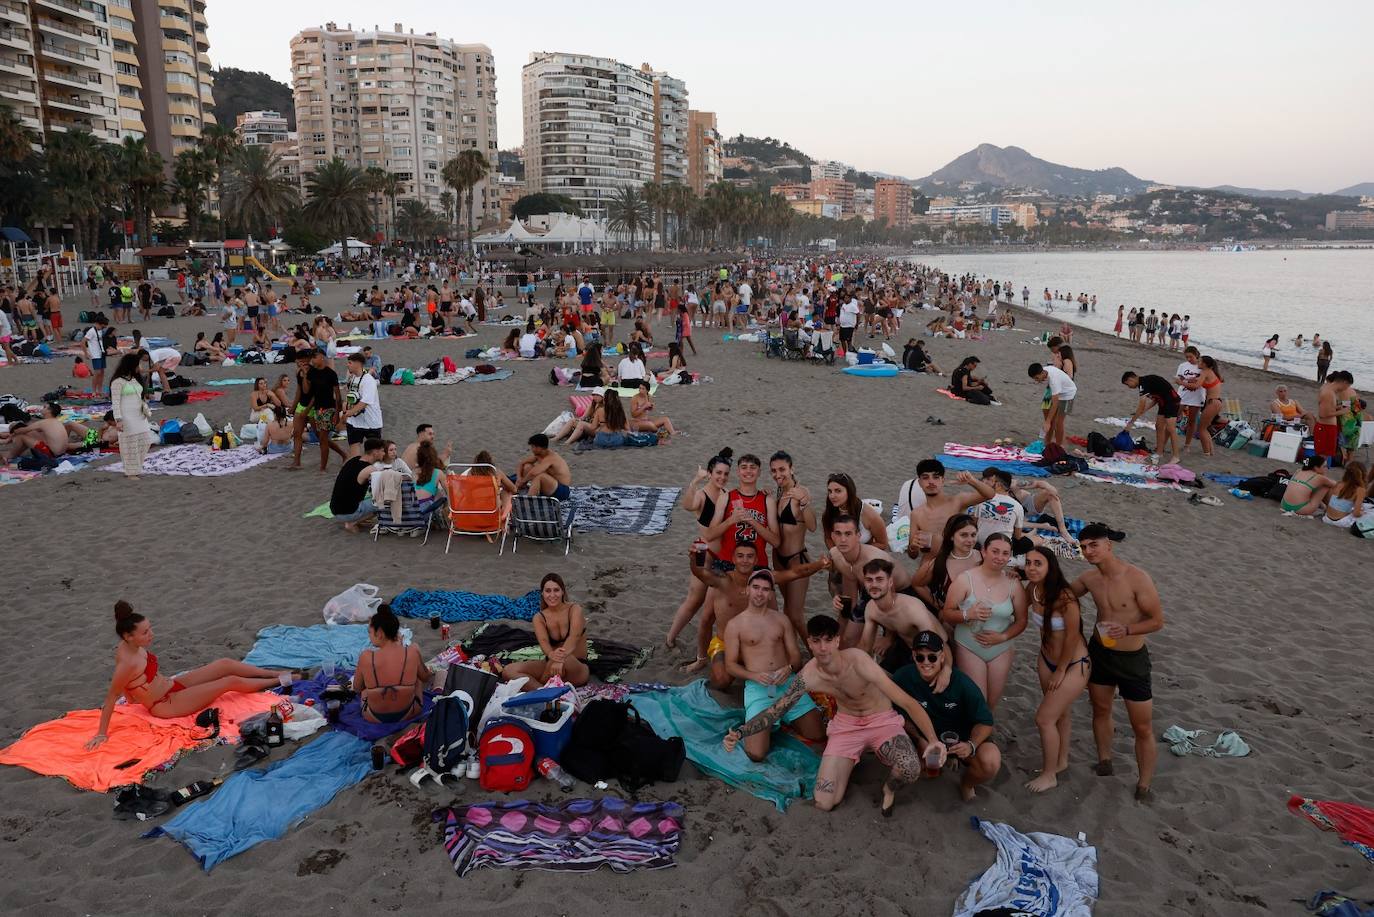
(462, 173)
(447, 200)
(627, 212)
(257, 196)
(376, 181)
(219, 141)
(192, 175)
(654, 199)
(18, 164)
(392, 186)
(140, 172)
(681, 201)
(78, 181)
(415, 222)
(336, 201)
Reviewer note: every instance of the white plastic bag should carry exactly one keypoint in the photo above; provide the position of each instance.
(305, 721)
(203, 426)
(558, 423)
(354, 605)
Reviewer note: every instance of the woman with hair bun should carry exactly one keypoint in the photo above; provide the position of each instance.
(137, 679)
(391, 677)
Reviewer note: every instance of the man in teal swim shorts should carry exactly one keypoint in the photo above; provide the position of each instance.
(760, 650)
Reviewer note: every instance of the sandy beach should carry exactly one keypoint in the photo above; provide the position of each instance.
(1264, 637)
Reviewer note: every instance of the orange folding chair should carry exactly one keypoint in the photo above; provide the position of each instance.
(475, 505)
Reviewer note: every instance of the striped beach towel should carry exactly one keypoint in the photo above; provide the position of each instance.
(624, 510)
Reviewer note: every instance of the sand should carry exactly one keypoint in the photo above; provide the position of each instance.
(1264, 636)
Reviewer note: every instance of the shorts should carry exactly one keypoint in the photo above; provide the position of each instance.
(357, 434)
(717, 306)
(1066, 407)
(97, 363)
(846, 335)
(323, 417)
(759, 697)
(1325, 437)
(742, 309)
(562, 492)
(1129, 671)
(715, 648)
(849, 736)
(55, 319)
(1168, 408)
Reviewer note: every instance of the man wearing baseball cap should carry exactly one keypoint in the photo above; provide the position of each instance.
(959, 713)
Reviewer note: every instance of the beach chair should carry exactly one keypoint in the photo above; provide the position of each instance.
(1231, 408)
(415, 519)
(538, 519)
(792, 346)
(474, 502)
(823, 348)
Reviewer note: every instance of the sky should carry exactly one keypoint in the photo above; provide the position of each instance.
(1257, 94)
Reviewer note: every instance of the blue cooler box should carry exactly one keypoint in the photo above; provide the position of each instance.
(549, 738)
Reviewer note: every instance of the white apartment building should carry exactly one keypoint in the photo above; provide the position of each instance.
(990, 214)
(594, 125)
(261, 128)
(829, 168)
(398, 101)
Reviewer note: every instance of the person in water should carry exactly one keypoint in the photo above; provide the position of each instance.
(136, 677)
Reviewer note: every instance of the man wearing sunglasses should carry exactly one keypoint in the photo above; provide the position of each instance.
(959, 713)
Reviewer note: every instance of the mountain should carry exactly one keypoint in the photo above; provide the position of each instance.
(1363, 189)
(238, 91)
(1287, 194)
(1013, 167)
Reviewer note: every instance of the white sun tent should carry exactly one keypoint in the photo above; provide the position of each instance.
(354, 248)
(514, 234)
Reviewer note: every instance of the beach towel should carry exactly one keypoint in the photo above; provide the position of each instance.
(1225, 480)
(1333, 904)
(262, 805)
(196, 395)
(1354, 824)
(948, 394)
(1184, 742)
(498, 376)
(243, 381)
(1024, 469)
(789, 771)
(453, 606)
(607, 659)
(580, 835)
(15, 476)
(992, 453)
(200, 461)
(452, 378)
(624, 510)
(1120, 422)
(138, 742)
(1044, 875)
(322, 511)
(351, 719)
(289, 647)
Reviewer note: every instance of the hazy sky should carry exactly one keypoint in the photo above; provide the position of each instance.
(1258, 93)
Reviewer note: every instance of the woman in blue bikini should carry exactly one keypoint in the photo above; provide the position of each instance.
(988, 610)
(391, 677)
(1063, 664)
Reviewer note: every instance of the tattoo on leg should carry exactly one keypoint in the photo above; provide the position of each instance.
(825, 786)
(898, 753)
(765, 720)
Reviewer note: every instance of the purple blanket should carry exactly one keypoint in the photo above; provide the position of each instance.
(580, 835)
(351, 715)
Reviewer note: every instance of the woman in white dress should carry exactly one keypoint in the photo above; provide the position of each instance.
(131, 414)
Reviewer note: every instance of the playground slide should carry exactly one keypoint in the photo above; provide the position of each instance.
(250, 259)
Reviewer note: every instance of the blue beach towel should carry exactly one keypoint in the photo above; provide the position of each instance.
(455, 605)
(1073, 525)
(1225, 480)
(284, 646)
(261, 805)
(691, 712)
(351, 718)
(241, 381)
(1024, 469)
(497, 376)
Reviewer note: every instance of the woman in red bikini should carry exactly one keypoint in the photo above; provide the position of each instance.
(136, 676)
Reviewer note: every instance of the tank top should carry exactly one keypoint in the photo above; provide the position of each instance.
(742, 533)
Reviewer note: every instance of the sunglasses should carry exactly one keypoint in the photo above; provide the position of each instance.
(926, 657)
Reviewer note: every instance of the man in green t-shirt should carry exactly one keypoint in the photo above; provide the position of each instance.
(959, 713)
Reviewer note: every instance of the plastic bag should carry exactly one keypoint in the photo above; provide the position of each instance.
(203, 426)
(354, 605)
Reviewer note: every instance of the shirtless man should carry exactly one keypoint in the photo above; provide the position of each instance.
(865, 720)
(48, 437)
(546, 473)
(761, 651)
(848, 557)
(424, 433)
(1326, 434)
(1128, 609)
(929, 518)
(901, 616)
(729, 596)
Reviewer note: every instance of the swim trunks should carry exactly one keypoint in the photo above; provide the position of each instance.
(715, 648)
(1127, 670)
(562, 492)
(849, 736)
(1324, 438)
(759, 697)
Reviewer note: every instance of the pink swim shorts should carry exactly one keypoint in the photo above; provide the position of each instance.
(849, 736)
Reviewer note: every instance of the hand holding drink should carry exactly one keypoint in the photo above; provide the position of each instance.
(699, 553)
(1109, 632)
(934, 759)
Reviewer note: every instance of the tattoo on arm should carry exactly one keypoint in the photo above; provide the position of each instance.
(765, 720)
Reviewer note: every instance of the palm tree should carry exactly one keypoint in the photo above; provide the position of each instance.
(681, 200)
(376, 180)
(462, 173)
(77, 179)
(219, 142)
(140, 172)
(337, 200)
(627, 212)
(391, 186)
(257, 196)
(192, 175)
(447, 199)
(654, 199)
(416, 222)
(18, 164)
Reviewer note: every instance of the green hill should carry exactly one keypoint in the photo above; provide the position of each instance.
(238, 91)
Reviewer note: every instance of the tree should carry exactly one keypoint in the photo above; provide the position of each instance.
(337, 200)
(139, 171)
(257, 196)
(627, 212)
(681, 200)
(447, 200)
(416, 223)
(376, 184)
(655, 197)
(391, 186)
(192, 175)
(77, 180)
(19, 166)
(542, 202)
(462, 173)
(219, 143)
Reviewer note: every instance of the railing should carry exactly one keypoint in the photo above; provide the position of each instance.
(85, 34)
(78, 8)
(81, 57)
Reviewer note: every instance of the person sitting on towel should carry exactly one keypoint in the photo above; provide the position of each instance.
(966, 385)
(392, 676)
(136, 677)
(561, 630)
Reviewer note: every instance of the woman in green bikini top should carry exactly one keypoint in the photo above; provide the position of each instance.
(988, 611)
(1308, 489)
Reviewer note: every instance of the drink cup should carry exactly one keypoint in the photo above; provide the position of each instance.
(699, 553)
(846, 606)
(1102, 635)
(932, 769)
(327, 668)
(434, 622)
(949, 739)
(444, 630)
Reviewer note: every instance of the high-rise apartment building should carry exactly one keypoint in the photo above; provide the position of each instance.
(398, 101)
(704, 167)
(836, 191)
(118, 68)
(258, 128)
(892, 203)
(829, 168)
(594, 125)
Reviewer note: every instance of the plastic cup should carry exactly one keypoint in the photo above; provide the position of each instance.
(932, 768)
(1102, 635)
(327, 668)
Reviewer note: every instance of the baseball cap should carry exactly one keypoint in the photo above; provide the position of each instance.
(928, 640)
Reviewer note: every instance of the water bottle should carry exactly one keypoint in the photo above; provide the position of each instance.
(550, 769)
(1241, 494)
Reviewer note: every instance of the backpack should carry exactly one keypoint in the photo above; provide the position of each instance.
(1122, 442)
(1053, 453)
(169, 434)
(644, 758)
(506, 753)
(606, 743)
(1100, 446)
(167, 312)
(181, 382)
(445, 744)
(387, 372)
(409, 748)
(172, 399)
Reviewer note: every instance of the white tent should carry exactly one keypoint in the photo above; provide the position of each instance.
(512, 235)
(354, 247)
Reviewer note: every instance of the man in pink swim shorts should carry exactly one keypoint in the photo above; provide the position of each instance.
(866, 720)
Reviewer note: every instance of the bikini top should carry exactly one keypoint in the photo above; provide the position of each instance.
(1056, 621)
(1002, 612)
(708, 511)
(149, 672)
(390, 690)
(786, 516)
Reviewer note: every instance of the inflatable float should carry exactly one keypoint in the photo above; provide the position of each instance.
(872, 369)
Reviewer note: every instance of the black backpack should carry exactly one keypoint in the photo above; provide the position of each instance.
(1100, 446)
(388, 371)
(610, 741)
(172, 399)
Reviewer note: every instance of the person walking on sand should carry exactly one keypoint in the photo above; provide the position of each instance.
(1128, 609)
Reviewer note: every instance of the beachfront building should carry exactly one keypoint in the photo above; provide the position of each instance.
(988, 214)
(1337, 220)
(704, 163)
(261, 128)
(1025, 215)
(594, 125)
(836, 191)
(892, 203)
(829, 168)
(397, 101)
(792, 191)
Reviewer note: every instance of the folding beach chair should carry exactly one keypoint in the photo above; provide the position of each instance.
(539, 519)
(1231, 408)
(415, 519)
(823, 348)
(474, 502)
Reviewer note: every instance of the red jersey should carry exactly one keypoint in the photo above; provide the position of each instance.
(742, 533)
